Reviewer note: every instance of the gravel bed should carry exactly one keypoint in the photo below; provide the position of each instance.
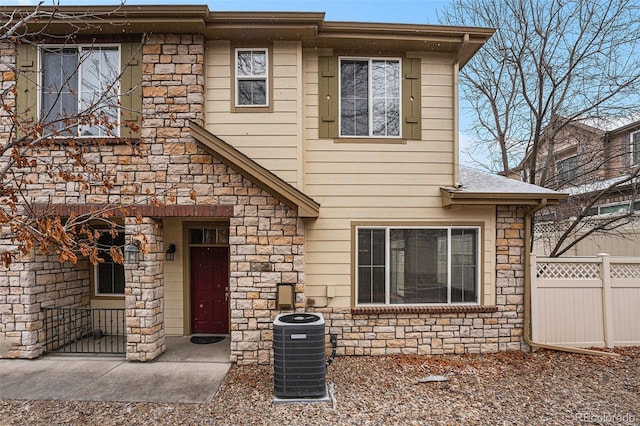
(544, 387)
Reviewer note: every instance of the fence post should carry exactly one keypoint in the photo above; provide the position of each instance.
(607, 307)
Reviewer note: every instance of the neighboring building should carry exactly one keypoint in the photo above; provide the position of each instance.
(323, 156)
(584, 158)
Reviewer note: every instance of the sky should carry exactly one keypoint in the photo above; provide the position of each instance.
(393, 11)
(397, 11)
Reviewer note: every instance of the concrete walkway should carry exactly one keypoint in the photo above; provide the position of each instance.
(174, 377)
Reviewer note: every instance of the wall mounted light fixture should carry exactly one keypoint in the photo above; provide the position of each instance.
(170, 254)
(132, 251)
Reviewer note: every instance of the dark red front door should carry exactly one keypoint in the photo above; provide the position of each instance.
(209, 285)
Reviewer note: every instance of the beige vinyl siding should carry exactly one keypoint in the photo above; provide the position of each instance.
(173, 280)
(271, 138)
(382, 183)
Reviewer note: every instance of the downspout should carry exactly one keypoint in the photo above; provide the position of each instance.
(527, 293)
(456, 113)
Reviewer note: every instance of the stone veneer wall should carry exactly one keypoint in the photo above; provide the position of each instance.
(266, 237)
(27, 287)
(7, 83)
(431, 331)
(267, 247)
(144, 293)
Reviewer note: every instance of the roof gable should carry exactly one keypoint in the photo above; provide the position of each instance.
(262, 177)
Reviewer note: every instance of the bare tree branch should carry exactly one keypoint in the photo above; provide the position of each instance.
(550, 64)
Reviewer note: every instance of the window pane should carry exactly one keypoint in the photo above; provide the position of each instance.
(615, 208)
(251, 63)
(110, 275)
(365, 245)
(118, 278)
(371, 266)
(59, 87)
(464, 265)
(635, 146)
(99, 90)
(354, 98)
(252, 92)
(210, 236)
(105, 278)
(195, 236)
(419, 274)
(385, 83)
(223, 235)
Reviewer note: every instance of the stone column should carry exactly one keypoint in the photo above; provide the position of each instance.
(510, 258)
(144, 292)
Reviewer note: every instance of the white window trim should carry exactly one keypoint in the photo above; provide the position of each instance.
(238, 78)
(388, 263)
(369, 59)
(624, 207)
(116, 132)
(631, 136)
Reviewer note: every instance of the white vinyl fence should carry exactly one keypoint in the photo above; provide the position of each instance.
(586, 301)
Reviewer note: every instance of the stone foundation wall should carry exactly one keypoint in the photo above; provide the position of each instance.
(419, 333)
(27, 287)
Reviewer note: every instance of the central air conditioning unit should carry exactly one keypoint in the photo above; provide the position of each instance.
(299, 365)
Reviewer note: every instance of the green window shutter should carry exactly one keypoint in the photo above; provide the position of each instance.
(411, 99)
(328, 114)
(131, 90)
(27, 86)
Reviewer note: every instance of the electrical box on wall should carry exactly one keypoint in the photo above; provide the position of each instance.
(286, 296)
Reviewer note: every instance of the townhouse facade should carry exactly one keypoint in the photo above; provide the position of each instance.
(286, 156)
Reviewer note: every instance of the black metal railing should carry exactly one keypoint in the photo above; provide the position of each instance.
(85, 330)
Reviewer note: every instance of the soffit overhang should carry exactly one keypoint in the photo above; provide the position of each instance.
(114, 20)
(453, 197)
(265, 179)
(309, 28)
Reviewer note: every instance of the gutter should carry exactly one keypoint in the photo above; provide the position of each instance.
(527, 294)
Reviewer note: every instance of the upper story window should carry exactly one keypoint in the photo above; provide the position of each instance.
(370, 97)
(109, 274)
(80, 90)
(635, 147)
(622, 207)
(396, 266)
(566, 169)
(252, 77)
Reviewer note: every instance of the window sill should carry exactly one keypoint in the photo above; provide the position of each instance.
(393, 141)
(107, 297)
(252, 108)
(450, 309)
